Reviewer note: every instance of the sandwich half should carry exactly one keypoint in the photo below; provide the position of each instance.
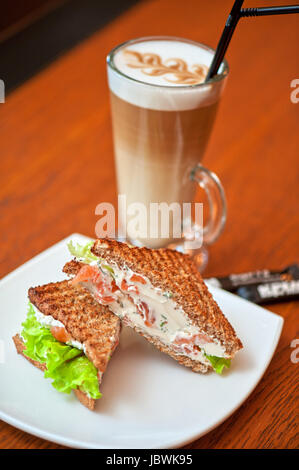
(162, 296)
(69, 336)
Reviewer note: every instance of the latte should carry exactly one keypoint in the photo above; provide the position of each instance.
(162, 115)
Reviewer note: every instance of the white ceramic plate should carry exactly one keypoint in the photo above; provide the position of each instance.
(149, 400)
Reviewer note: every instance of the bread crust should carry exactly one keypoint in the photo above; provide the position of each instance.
(82, 397)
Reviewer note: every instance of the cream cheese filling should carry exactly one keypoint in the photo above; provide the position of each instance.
(170, 324)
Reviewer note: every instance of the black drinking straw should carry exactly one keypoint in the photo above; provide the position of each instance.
(236, 13)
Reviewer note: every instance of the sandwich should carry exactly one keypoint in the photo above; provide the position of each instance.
(162, 296)
(69, 336)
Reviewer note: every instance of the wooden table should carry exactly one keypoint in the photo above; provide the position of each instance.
(57, 164)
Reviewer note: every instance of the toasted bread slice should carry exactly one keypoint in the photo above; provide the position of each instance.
(174, 272)
(167, 272)
(84, 320)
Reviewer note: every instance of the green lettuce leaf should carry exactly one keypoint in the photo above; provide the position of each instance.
(67, 366)
(82, 251)
(218, 363)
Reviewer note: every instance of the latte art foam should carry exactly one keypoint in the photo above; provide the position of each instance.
(171, 64)
(174, 71)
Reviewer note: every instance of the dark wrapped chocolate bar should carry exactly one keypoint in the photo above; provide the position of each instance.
(234, 281)
(280, 291)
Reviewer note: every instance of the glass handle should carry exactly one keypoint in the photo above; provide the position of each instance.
(211, 184)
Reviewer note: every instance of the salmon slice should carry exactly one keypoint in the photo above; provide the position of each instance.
(60, 333)
(128, 287)
(85, 274)
(137, 278)
(201, 338)
(147, 314)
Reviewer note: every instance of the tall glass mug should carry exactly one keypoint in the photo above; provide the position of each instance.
(162, 116)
